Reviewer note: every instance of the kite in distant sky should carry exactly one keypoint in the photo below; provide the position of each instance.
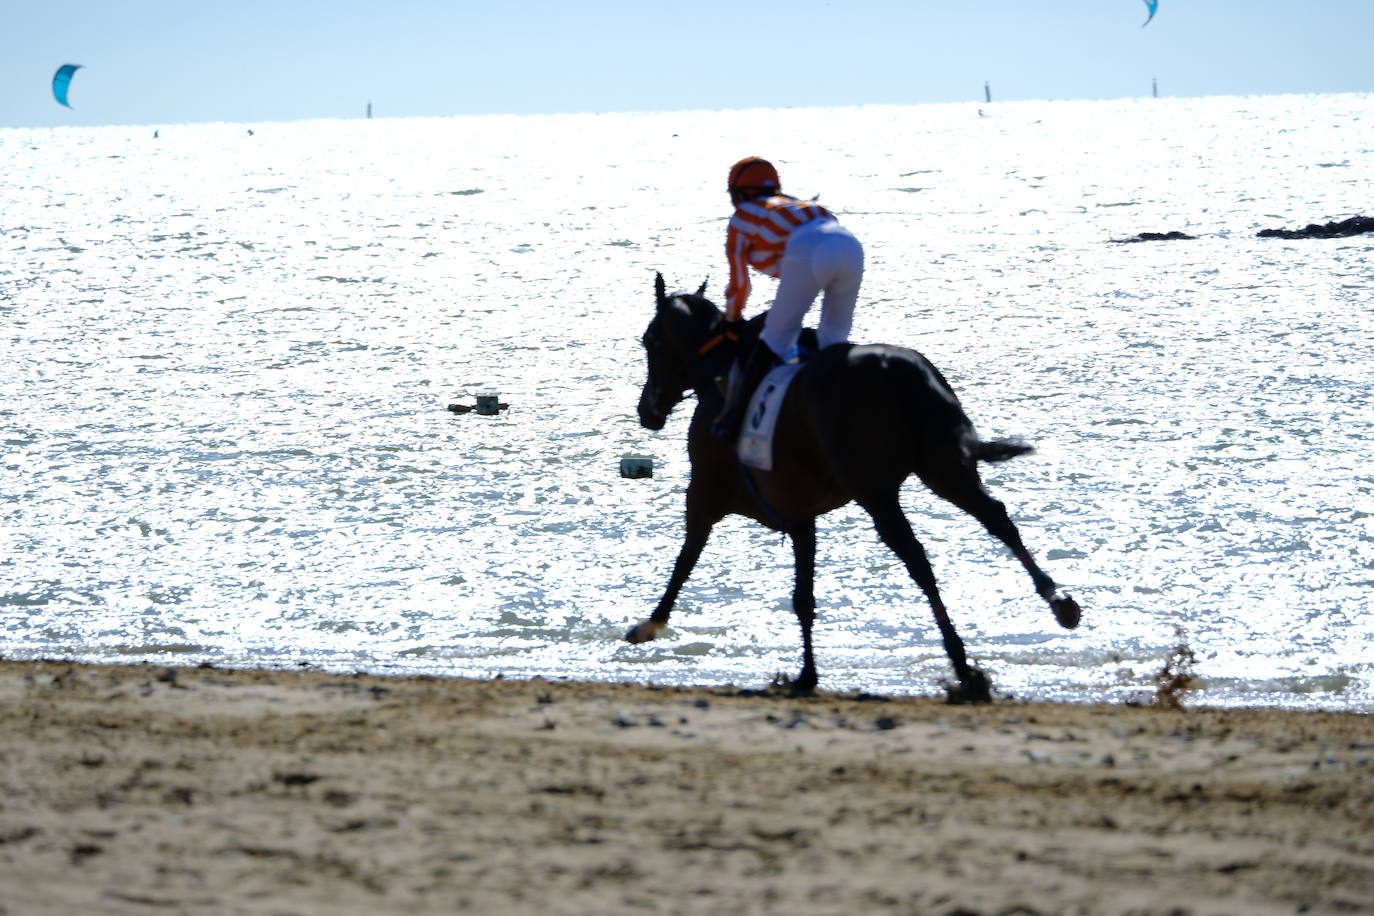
(1152, 6)
(61, 80)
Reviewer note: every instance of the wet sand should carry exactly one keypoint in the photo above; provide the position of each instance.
(152, 790)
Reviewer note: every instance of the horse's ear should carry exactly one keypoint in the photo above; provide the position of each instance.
(701, 290)
(660, 291)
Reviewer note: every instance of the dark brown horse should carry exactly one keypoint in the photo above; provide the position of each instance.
(856, 423)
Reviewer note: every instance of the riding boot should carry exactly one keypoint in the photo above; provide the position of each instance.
(731, 416)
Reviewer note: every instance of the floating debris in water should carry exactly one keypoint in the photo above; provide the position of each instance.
(1356, 225)
(1155, 237)
(478, 408)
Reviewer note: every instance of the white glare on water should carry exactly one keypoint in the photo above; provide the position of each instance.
(228, 356)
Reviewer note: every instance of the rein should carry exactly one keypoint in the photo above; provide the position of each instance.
(720, 338)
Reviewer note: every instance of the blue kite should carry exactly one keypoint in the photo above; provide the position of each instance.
(1152, 6)
(61, 80)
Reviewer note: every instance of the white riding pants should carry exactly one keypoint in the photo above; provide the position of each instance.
(821, 256)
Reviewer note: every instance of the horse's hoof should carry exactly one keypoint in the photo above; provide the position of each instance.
(643, 632)
(800, 686)
(976, 688)
(1066, 611)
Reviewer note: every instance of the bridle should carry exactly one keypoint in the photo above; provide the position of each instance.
(718, 339)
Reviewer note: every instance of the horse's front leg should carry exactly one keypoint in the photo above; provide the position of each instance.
(698, 531)
(804, 602)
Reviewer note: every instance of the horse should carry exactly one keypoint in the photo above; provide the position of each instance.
(855, 424)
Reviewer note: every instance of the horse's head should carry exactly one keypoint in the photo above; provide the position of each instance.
(683, 324)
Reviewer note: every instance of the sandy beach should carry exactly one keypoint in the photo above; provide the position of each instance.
(145, 789)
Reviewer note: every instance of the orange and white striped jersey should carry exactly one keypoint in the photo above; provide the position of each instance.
(757, 236)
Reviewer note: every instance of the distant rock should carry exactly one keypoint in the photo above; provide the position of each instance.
(1356, 225)
(1155, 237)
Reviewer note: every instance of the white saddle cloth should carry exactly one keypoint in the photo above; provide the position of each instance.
(756, 435)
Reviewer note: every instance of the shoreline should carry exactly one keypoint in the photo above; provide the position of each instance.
(1174, 684)
(149, 788)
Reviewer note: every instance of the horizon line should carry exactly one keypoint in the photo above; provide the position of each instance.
(978, 104)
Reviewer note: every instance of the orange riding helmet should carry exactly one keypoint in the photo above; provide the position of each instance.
(752, 176)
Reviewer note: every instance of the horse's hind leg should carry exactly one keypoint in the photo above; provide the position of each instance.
(698, 531)
(896, 533)
(965, 489)
(804, 602)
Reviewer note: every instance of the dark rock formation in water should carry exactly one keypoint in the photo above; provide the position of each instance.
(1356, 225)
(1154, 237)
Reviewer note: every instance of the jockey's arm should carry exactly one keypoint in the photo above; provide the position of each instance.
(737, 291)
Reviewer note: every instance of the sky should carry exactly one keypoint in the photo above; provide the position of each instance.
(159, 62)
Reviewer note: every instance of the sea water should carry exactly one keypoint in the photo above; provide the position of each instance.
(227, 358)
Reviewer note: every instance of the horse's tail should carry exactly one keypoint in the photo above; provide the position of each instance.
(1000, 450)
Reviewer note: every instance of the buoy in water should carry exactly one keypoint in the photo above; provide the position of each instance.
(634, 468)
(487, 404)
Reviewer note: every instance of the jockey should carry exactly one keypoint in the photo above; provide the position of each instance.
(807, 250)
